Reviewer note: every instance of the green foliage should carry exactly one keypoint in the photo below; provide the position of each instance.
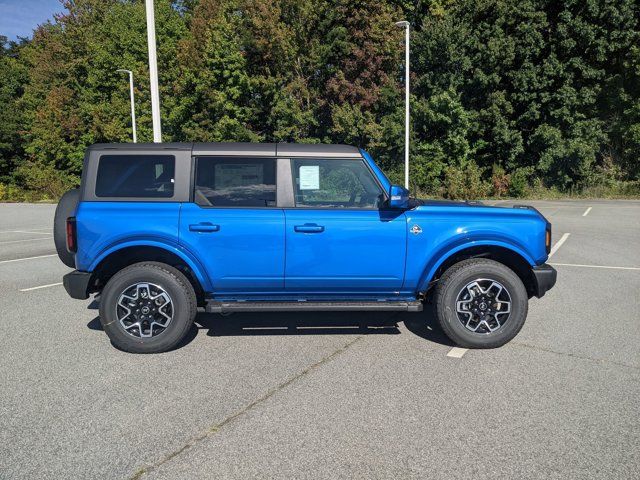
(214, 88)
(549, 85)
(465, 182)
(44, 180)
(519, 181)
(500, 181)
(13, 75)
(509, 98)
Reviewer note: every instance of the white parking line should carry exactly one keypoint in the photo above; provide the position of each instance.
(27, 230)
(594, 266)
(39, 287)
(265, 328)
(27, 240)
(457, 352)
(586, 212)
(558, 244)
(28, 258)
(34, 233)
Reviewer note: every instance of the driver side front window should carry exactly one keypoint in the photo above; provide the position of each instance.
(335, 183)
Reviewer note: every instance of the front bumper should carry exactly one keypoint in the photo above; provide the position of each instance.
(545, 277)
(77, 284)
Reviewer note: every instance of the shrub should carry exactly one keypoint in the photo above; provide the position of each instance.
(15, 194)
(538, 190)
(465, 182)
(520, 182)
(618, 189)
(42, 182)
(500, 181)
(629, 189)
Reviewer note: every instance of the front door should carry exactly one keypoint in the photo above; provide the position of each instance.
(234, 226)
(338, 239)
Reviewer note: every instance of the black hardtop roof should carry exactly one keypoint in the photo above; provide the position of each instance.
(240, 149)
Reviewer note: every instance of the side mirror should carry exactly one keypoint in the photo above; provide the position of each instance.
(398, 197)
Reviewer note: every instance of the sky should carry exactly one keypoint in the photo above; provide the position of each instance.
(20, 17)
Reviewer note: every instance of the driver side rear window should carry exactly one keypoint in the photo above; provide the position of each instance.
(136, 176)
(235, 182)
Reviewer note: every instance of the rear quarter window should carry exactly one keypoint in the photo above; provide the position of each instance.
(136, 176)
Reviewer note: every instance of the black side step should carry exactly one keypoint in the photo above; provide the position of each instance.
(297, 306)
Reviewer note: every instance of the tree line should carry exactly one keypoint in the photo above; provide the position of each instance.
(508, 97)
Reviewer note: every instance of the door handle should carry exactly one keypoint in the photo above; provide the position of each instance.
(204, 227)
(309, 228)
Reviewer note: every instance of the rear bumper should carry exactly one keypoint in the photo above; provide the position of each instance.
(77, 284)
(545, 278)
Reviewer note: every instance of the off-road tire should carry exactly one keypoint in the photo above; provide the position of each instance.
(173, 282)
(455, 279)
(66, 208)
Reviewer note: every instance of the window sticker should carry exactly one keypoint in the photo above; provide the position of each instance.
(310, 177)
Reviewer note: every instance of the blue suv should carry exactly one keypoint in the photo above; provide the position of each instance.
(159, 230)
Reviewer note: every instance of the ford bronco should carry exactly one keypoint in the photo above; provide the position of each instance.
(159, 230)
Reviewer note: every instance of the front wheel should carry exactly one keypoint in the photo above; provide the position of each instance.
(147, 308)
(481, 303)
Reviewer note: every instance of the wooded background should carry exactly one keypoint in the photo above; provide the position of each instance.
(508, 97)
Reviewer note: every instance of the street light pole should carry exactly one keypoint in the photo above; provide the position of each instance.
(133, 106)
(153, 72)
(404, 24)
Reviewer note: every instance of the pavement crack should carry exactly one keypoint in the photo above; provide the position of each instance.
(215, 428)
(574, 355)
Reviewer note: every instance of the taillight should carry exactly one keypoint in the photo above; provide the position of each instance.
(72, 237)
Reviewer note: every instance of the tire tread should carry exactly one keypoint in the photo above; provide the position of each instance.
(441, 291)
(132, 345)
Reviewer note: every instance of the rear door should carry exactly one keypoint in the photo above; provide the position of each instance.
(339, 237)
(233, 225)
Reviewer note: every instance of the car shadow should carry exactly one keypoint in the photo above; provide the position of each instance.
(422, 324)
(425, 325)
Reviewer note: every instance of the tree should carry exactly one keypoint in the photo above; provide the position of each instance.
(547, 84)
(74, 96)
(502, 90)
(13, 75)
(214, 88)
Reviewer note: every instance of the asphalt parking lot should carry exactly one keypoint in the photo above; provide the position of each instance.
(328, 395)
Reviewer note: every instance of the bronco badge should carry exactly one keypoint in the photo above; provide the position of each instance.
(416, 229)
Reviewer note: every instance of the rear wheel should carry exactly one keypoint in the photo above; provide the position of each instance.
(147, 308)
(481, 303)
